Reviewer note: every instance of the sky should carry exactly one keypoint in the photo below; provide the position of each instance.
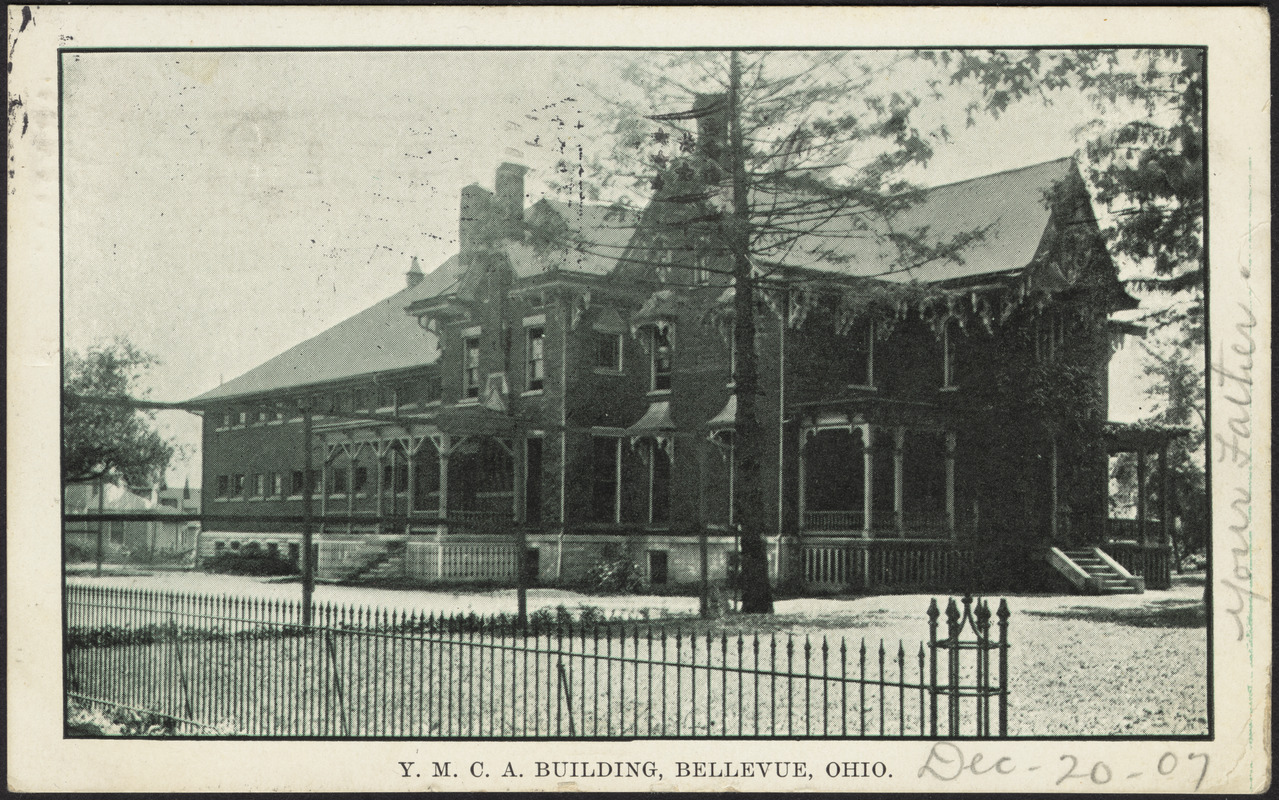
(220, 207)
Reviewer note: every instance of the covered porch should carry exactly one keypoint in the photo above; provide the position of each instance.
(420, 482)
(875, 479)
(1142, 539)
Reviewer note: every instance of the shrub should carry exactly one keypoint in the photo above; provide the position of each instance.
(616, 573)
(252, 562)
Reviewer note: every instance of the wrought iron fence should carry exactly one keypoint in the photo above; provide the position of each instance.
(219, 664)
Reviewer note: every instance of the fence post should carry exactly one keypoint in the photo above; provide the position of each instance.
(177, 646)
(337, 677)
(566, 692)
(952, 664)
(933, 614)
(982, 627)
(1003, 615)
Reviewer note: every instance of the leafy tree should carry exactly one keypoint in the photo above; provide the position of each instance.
(1145, 149)
(109, 440)
(777, 147)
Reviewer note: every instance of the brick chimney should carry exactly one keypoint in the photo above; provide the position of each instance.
(414, 276)
(509, 200)
(476, 206)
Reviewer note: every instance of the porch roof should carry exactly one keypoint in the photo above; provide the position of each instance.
(656, 422)
(1132, 437)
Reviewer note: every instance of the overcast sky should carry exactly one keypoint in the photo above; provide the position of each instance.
(220, 207)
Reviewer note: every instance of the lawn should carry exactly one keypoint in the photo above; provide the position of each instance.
(1115, 665)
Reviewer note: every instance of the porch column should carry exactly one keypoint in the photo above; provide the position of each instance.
(868, 441)
(395, 506)
(324, 488)
(411, 458)
(803, 472)
(350, 490)
(378, 451)
(1052, 491)
(1141, 496)
(899, 441)
(1165, 496)
(442, 513)
(950, 485)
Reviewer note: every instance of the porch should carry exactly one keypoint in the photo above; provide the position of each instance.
(872, 481)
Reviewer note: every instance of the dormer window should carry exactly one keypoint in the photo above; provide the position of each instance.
(661, 359)
(471, 366)
(534, 361)
(861, 354)
(948, 356)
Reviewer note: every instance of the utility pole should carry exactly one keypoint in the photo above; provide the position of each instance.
(757, 596)
(101, 509)
(308, 562)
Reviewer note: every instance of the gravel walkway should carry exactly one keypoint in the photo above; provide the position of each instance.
(1081, 666)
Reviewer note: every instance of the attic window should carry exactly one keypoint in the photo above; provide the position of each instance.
(948, 356)
(535, 364)
(471, 367)
(661, 358)
(861, 354)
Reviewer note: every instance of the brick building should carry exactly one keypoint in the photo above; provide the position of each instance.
(570, 372)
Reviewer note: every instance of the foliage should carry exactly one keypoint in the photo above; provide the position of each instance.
(109, 441)
(616, 573)
(778, 146)
(249, 563)
(1148, 167)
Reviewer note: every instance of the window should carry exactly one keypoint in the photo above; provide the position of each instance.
(224, 484)
(431, 389)
(657, 567)
(471, 366)
(948, 356)
(659, 483)
(226, 420)
(1050, 335)
(115, 531)
(243, 417)
(361, 477)
(261, 418)
(396, 475)
(606, 484)
(337, 480)
(534, 363)
(732, 356)
(299, 483)
(218, 547)
(259, 485)
(277, 484)
(237, 486)
(861, 354)
(608, 351)
(315, 481)
(386, 397)
(661, 366)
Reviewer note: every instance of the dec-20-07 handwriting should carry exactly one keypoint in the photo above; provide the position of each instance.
(947, 762)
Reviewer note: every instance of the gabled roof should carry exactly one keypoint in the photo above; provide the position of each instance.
(378, 339)
(587, 238)
(82, 498)
(1011, 203)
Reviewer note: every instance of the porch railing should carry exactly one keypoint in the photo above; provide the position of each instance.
(1150, 561)
(923, 525)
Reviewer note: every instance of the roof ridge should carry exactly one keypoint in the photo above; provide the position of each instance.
(1000, 172)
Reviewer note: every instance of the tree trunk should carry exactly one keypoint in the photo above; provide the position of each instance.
(757, 596)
